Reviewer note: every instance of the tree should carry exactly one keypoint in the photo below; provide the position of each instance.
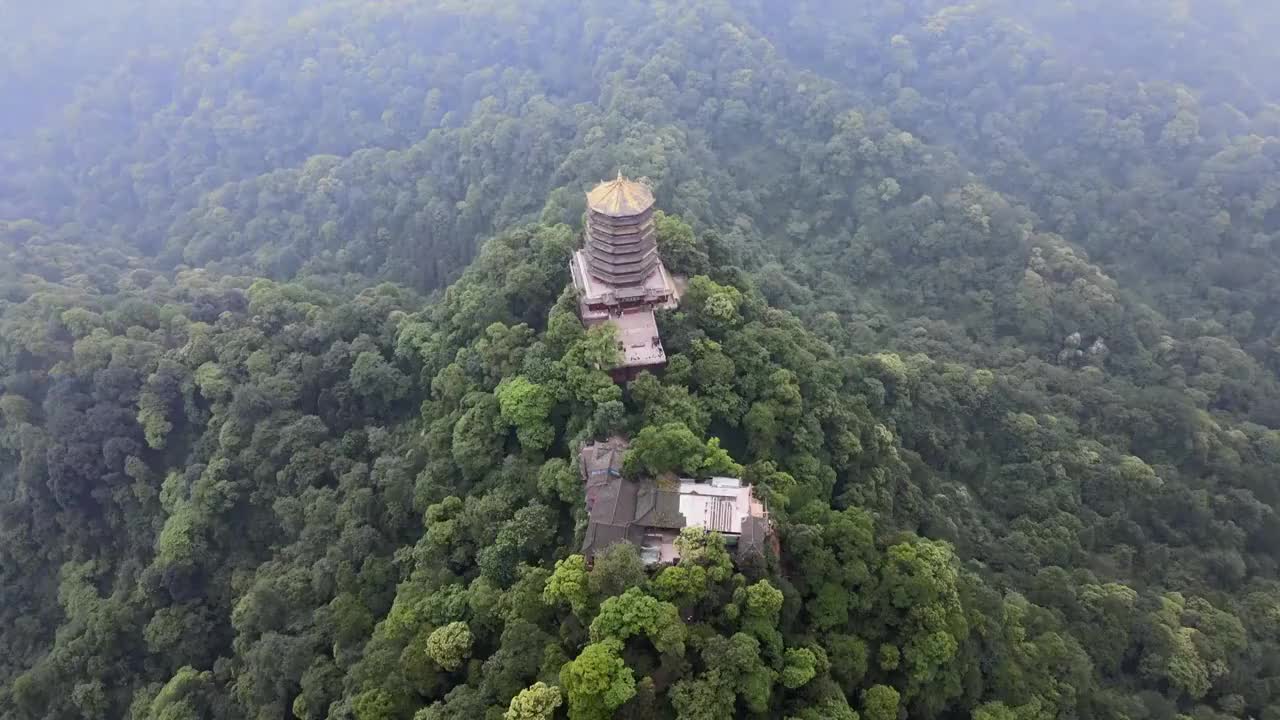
(450, 645)
(830, 708)
(635, 613)
(189, 694)
(476, 436)
(558, 480)
(709, 697)
(716, 461)
(375, 378)
(919, 580)
(684, 585)
(848, 656)
(598, 348)
(524, 536)
(597, 682)
(211, 378)
(160, 402)
(706, 550)
(770, 483)
(527, 406)
(880, 702)
(764, 602)
(1177, 649)
(374, 705)
(674, 448)
(738, 662)
(714, 305)
(616, 569)
(801, 667)
(537, 702)
(680, 249)
(669, 448)
(761, 614)
(568, 584)
(994, 711)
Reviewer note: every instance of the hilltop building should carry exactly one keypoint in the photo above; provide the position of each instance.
(650, 514)
(619, 275)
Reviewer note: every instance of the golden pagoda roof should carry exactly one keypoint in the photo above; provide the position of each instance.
(620, 198)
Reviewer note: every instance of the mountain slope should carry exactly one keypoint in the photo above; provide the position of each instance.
(973, 318)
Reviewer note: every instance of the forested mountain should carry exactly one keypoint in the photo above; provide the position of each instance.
(983, 297)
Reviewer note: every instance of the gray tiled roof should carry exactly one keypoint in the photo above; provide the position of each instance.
(755, 533)
(659, 508)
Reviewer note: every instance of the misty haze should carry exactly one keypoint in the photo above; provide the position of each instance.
(639, 359)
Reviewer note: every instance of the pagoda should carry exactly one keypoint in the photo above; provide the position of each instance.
(619, 275)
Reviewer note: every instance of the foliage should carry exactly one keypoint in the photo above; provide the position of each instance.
(635, 613)
(536, 702)
(450, 645)
(984, 312)
(527, 406)
(880, 702)
(568, 584)
(597, 681)
(674, 448)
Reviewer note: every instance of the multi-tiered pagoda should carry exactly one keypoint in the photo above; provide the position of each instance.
(619, 276)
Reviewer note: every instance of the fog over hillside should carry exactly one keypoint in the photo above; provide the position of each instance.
(977, 302)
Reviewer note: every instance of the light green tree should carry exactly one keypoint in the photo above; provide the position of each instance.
(707, 550)
(635, 613)
(527, 406)
(536, 702)
(683, 585)
(568, 584)
(801, 667)
(880, 702)
(598, 681)
(450, 645)
(673, 447)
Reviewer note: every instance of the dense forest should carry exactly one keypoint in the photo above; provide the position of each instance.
(983, 297)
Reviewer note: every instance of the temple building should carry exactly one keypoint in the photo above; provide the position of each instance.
(649, 513)
(619, 276)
